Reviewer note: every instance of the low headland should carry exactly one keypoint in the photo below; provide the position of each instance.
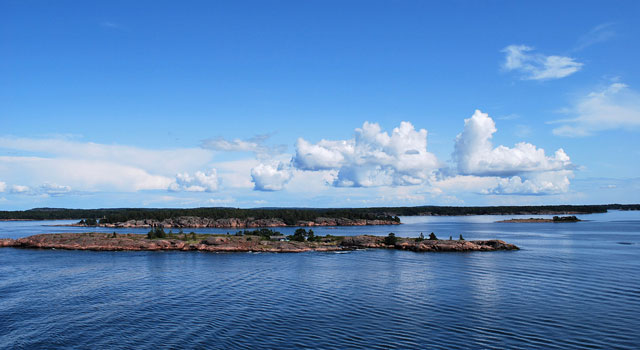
(556, 219)
(262, 240)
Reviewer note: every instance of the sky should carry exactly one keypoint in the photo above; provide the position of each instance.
(318, 103)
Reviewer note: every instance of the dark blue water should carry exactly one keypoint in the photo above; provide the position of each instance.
(572, 286)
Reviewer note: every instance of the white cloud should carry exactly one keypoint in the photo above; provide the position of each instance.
(19, 189)
(523, 169)
(46, 189)
(165, 162)
(475, 154)
(538, 66)
(88, 166)
(545, 183)
(90, 175)
(3, 186)
(54, 189)
(465, 183)
(553, 182)
(372, 158)
(256, 144)
(271, 177)
(614, 107)
(199, 182)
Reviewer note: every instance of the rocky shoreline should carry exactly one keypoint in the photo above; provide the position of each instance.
(200, 222)
(230, 243)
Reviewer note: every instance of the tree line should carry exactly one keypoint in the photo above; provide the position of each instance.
(292, 215)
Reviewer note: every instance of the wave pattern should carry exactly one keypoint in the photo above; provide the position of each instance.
(574, 288)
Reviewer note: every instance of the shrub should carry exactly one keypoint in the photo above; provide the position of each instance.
(391, 239)
(432, 237)
(300, 235)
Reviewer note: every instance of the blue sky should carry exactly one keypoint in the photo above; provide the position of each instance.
(318, 103)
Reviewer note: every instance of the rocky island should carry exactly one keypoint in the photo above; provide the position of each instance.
(554, 219)
(300, 242)
(250, 222)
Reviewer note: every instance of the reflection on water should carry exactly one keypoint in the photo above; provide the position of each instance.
(572, 286)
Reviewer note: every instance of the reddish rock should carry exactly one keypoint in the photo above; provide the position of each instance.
(198, 222)
(108, 242)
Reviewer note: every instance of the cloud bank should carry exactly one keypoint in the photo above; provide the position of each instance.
(536, 66)
(88, 166)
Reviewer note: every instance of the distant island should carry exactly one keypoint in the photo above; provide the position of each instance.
(554, 219)
(204, 222)
(274, 217)
(263, 240)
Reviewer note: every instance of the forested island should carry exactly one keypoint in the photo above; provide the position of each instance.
(556, 219)
(263, 240)
(290, 215)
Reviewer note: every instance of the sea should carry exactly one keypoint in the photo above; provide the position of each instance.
(571, 286)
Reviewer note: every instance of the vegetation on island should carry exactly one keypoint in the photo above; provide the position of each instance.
(291, 216)
(555, 219)
(158, 239)
(565, 219)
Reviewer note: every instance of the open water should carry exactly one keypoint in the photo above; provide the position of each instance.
(572, 286)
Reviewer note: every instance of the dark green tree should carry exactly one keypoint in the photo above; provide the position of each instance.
(391, 239)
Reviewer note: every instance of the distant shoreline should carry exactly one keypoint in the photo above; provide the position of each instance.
(292, 216)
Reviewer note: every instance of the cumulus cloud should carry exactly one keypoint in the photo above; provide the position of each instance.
(614, 107)
(523, 169)
(475, 154)
(536, 66)
(199, 182)
(256, 144)
(271, 177)
(372, 158)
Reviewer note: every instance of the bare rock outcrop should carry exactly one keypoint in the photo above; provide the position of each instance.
(228, 243)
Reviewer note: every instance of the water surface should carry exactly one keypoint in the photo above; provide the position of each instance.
(572, 286)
